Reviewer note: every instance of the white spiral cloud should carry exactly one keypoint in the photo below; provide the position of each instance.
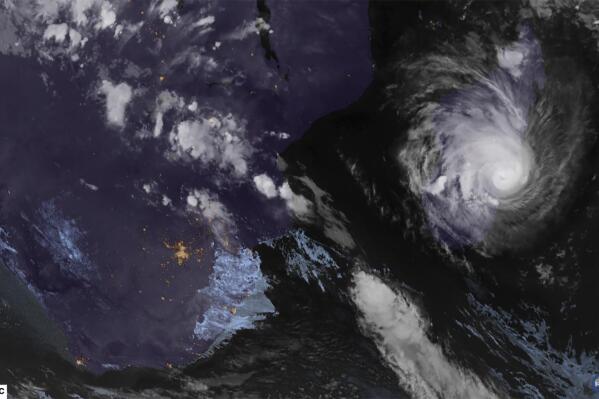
(494, 146)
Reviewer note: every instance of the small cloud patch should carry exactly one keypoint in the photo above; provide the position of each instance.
(117, 98)
(58, 32)
(297, 203)
(265, 185)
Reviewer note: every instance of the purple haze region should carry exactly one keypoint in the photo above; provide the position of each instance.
(275, 67)
(134, 245)
(324, 49)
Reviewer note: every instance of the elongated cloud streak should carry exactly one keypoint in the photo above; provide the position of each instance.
(399, 330)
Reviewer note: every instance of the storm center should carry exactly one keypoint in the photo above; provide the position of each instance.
(508, 177)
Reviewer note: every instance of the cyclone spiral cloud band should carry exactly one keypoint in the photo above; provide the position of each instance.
(494, 146)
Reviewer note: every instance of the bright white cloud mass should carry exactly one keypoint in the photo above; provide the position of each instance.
(400, 332)
(297, 203)
(165, 101)
(265, 185)
(117, 98)
(214, 140)
(57, 32)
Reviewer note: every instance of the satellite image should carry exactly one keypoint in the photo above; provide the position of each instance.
(296, 199)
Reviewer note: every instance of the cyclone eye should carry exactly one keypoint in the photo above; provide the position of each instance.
(507, 168)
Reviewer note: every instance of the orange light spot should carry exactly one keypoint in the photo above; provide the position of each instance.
(181, 254)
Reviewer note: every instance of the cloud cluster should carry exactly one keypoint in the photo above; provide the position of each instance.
(296, 203)
(265, 185)
(215, 213)
(209, 205)
(214, 140)
(117, 98)
(98, 13)
(318, 209)
(165, 101)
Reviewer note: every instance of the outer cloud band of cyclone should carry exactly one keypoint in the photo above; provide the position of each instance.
(496, 139)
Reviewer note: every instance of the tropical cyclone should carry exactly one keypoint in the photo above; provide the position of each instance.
(494, 144)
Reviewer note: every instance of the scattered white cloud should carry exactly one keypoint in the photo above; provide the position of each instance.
(211, 208)
(246, 29)
(192, 200)
(297, 203)
(215, 213)
(90, 186)
(333, 221)
(206, 21)
(58, 32)
(545, 274)
(117, 98)
(279, 135)
(79, 9)
(262, 25)
(147, 187)
(76, 38)
(166, 7)
(197, 60)
(213, 140)
(48, 10)
(87, 16)
(166, 101)
(107, 16)
(511, 59)
(400, 332)
(265, 185)
(158, 124)
(118, 30)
